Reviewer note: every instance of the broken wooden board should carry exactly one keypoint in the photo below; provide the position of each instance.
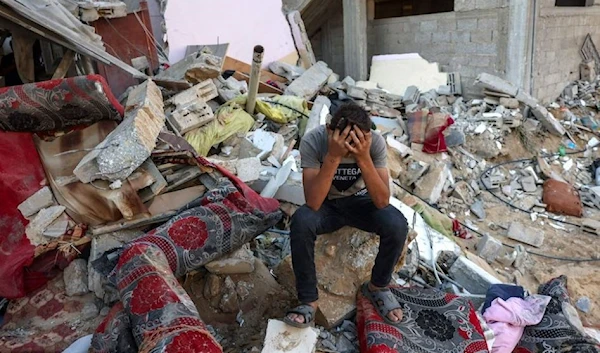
(240, 66)
(262, 86)
(175, 200)
(85, 203)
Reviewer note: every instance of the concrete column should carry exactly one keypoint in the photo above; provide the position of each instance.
(355, 39)
(520, 32)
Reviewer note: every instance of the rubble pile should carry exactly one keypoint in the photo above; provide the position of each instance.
(442, 147)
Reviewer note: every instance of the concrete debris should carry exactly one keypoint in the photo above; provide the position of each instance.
(584, 304)
(57, 229)
(478, 209)
(195, 68)
(307, 85)
(548, 120)
(489, 248)
(528, 235)
(89, 311)
(41, 199)
(411, 96)
(76, 278)
(229, 301)
(430, 186)
(496, 84)
(189, 109)
(41, 222)
(132, 142)
(290, 72)
(240, 261)
(282, 338)
(318, 114)
(471, 277)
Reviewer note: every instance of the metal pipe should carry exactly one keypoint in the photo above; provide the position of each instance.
(257, 59)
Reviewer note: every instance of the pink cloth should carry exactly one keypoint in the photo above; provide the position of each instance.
(508, 319)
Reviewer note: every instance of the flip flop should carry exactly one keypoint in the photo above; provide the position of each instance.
(383, 300)
(304, 310)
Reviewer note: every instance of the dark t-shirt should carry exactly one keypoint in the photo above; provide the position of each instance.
(348, 179)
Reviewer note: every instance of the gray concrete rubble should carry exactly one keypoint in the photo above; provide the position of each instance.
(307, 85)
(471, 277)
(489, 248)
(132, 142)
(527, 235)
(43, 219)
(195, 68)
(240, 261)
(76, 278)
(41, 199)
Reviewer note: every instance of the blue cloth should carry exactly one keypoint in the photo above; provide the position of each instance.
(503, 291)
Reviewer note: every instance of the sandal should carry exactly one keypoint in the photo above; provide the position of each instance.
(383, 300)
(304, 310)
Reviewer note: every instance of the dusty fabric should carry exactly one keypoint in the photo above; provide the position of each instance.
(156, 310)
(417, 125)
(57, 104)
(22, 172)
(44, 321)
(555, 333)
(435, 141)
(433, 321)
(508, 319)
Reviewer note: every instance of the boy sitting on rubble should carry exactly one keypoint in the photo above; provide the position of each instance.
(346, 183)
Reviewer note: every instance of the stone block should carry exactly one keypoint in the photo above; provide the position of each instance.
(430, 186)
(282, 338)
(472, 277)
(527, 235)
(132, 141)
(41, 199)
(309, 84)
(57, 229)
(357, 93)
(496, 84)
(343, 261)
(478, 209)
(238, 262)
(489, 248)
(411, 95)
(76, 278)
(42, 220)
(528, 184)
(191, 116)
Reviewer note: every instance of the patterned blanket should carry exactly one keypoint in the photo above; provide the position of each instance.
(57, 104)
(433, 321)
(155, 313)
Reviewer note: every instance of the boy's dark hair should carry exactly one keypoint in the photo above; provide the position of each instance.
(351, 113)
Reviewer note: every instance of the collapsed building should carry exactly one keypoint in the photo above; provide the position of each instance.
(154, 199)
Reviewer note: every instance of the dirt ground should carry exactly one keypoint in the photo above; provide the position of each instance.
(583, 277)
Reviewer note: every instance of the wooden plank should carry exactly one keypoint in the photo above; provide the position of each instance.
(65, 64)
(175, 200)
(219, 50)
(134, 223)
(240, 66)
(262, 87)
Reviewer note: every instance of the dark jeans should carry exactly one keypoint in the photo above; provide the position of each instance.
(355, 211)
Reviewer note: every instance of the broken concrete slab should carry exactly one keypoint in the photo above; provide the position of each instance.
(282, 338)
(496, 84)
(548, 120)
(528, 184)
(463, 191)
(472, 277)
(510, 103)
(411, 95)
(489, 248)
(131, 143)
(430, 186)
(527, 235)
(526, 98)
(318, 113)
(57, 229)
(240, 261)
(290, 72)
(478, 209)
(41, 199)
(42, 220)
(309, 84)
(414, 70)
(195, 68)
(76, 278)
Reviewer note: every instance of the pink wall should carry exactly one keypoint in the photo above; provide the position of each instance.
(242, 23)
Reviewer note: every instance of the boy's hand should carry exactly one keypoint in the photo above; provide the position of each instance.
(337, 143)
(359, 144)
